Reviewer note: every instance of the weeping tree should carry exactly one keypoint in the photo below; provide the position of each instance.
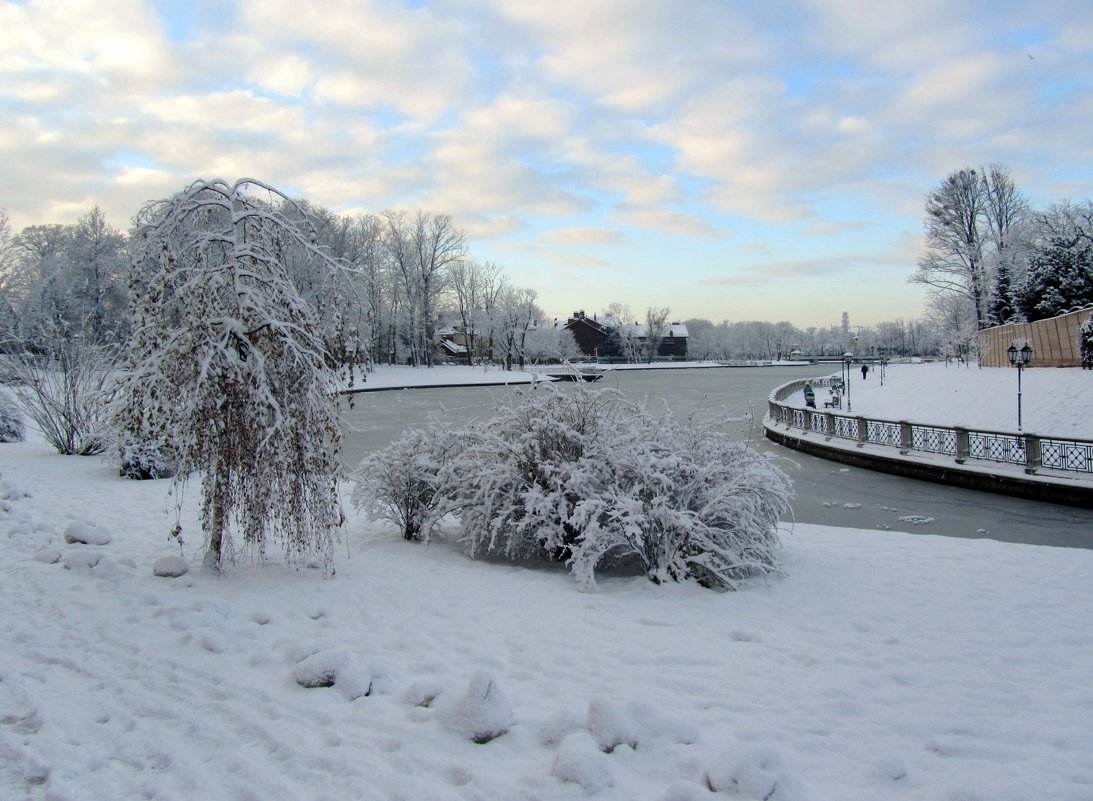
(226, 370)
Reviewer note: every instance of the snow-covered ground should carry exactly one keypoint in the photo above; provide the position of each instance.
(886, 666)
(1054, 402)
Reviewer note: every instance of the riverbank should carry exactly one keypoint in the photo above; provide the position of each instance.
(387, 376)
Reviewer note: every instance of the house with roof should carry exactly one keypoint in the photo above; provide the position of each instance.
(606, 338)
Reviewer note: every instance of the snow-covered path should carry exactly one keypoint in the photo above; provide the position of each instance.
(887, 666)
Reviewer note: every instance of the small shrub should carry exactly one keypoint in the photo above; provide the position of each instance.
(401, 483)
(12, 427)
(67, 395)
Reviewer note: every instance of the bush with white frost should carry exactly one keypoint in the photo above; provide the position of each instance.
(580, 475)
(12, 428)
(401, 483)
(67, 394)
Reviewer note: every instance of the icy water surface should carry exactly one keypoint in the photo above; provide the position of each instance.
(828, 493)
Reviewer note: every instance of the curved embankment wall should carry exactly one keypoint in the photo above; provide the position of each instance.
(1000, 462)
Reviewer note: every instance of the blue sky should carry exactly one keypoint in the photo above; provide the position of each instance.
(733, 161)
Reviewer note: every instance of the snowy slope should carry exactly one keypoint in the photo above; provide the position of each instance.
(1054, 402)
(887, 666)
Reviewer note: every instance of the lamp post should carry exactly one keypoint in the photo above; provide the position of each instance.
(847, 359)
(1019, 358)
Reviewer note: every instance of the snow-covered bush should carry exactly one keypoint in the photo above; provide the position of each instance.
(401, 482)
(517, 481)
(1085, 344)
(12, 428)
(686, 501)
(580, 475)
(146, 459)
(67, 395)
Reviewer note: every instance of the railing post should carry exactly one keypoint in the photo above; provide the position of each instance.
(962, 445)
(1033, 456)
(906, 438)
(830, 424)
(863, 431)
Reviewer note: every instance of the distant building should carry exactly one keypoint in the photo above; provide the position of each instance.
(608, 338)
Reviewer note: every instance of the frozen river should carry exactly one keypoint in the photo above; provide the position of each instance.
(827, 492)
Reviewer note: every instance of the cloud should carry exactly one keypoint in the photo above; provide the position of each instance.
(833, 228)
(584, 236)
(670, 222)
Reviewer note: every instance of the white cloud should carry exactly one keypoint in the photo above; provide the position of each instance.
(584, 236)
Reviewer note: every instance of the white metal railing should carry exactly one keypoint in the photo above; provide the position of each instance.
(963, 444)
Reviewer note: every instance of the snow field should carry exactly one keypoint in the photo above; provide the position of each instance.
(886, 666)
(1054, 402)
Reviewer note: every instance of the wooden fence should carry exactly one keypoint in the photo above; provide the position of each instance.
(1054, 341)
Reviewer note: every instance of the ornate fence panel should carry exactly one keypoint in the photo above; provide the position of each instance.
(1060, 454)
(880, 432)
(990, 447)
(932, 439)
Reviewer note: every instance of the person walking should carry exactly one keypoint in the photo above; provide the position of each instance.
(810, 396)
(864, 370)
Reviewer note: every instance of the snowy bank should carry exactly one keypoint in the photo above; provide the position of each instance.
(1054, 402)
(886, 666)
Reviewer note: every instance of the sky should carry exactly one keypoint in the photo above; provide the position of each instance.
(727, 160)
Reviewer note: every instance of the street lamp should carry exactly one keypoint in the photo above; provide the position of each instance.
(848, 357)
(1021, 359)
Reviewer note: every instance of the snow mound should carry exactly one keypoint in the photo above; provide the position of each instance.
(482, 714)
(85, 533)
(94, 563)
(48, 556)
(321, 669)
(170, 567)
(581, 760)
(759, 775)
(422, 693)
(10, 491)
(611, 726)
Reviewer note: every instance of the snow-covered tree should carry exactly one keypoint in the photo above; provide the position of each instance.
(1085, 344)
(226, 367)
(1059, 278)
(656, 327)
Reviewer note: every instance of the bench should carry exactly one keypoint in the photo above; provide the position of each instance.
(834, 402)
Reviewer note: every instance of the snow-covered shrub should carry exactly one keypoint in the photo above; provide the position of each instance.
(517, 481)
(579, 474)
(146, 459)
(401, 482)
(67, 395)
(1085, 344)
(687, 502)
(12, 428)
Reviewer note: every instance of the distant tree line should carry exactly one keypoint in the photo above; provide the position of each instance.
(403, 277)
(992, 259)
